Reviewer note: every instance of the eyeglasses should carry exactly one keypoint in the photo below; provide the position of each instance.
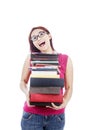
(40, 35)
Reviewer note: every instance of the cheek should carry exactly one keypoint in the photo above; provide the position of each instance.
(47, 43)
(36, 45)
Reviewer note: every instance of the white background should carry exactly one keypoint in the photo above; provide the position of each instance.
(67, 22)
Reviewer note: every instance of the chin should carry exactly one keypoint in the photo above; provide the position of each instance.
(44, 49)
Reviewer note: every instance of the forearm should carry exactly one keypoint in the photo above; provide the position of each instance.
(68, 94)
(23, 87)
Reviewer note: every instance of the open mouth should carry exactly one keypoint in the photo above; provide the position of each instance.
(42, 44)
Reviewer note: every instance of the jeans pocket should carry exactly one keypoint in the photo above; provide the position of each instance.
(61, 118)
(27, 115)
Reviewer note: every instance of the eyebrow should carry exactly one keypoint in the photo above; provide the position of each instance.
(41, 31)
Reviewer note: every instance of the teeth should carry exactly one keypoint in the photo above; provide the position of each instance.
(42, 43)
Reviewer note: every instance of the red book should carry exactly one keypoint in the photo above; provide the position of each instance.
(46, 97)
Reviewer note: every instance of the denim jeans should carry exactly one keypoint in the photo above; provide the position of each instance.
(31, 121)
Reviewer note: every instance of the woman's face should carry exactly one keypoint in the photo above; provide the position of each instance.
(41, 40)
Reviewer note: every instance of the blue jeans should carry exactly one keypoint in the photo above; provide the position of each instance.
(39, 122)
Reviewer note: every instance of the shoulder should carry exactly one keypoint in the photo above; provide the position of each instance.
(63, 58)
(69, 63)
(64, 61)
(62, 55)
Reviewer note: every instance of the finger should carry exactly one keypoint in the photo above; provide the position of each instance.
(28, 103)
(27, 99)
(49, 106)
(56, 107)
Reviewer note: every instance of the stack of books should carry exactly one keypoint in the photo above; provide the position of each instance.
(45, 81)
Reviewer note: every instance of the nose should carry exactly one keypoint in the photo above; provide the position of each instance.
(38, 38)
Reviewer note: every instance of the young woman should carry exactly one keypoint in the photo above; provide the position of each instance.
(47, 117)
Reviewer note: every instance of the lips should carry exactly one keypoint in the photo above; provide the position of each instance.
(42, 44)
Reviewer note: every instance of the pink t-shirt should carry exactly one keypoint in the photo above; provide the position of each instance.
(62, 58)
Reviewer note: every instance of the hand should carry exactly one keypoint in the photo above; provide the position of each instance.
(28, 99)
(63, 105)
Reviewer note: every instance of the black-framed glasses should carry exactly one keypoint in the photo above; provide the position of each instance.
(40, 35)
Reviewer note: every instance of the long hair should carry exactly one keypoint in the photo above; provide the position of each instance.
(32, 47)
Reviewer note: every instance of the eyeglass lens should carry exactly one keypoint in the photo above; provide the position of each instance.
(40, 34)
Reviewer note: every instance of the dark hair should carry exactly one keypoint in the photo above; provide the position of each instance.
(32, 47)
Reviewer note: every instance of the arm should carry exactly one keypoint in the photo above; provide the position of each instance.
(68, 81)
(68, 85)
(25, 77)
